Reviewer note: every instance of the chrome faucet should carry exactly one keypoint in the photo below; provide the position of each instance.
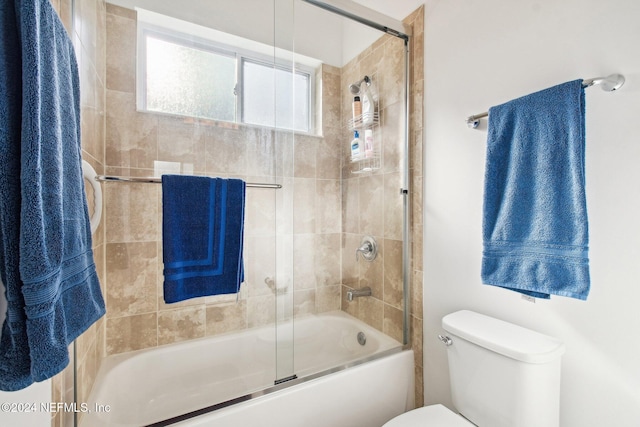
(355, 293)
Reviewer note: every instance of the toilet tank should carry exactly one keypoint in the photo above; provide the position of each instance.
(503, 375)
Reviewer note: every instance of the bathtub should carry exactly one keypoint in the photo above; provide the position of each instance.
(357, 384)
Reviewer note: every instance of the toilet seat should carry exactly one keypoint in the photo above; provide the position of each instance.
(427, 416)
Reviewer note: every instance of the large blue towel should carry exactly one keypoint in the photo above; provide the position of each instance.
(535, 215)
(202, 235)
(46, 261)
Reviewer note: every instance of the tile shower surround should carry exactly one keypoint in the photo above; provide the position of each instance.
(371, 203)
(324, 192)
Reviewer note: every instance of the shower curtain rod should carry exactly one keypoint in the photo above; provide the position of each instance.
(153, 180)
(608, 84)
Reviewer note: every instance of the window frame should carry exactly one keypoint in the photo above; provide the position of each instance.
(240, 54)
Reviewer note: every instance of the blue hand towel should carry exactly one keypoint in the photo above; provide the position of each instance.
(202, 235)
(535, 215)
(46, 260)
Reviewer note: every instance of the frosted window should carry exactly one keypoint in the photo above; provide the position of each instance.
(189, 81)
(275, 97)
(182, 75)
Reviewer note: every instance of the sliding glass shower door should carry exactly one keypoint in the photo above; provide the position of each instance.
(256, 90)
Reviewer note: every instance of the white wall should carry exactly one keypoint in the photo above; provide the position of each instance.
(397, 9)
(27, 407)
(317, 33)
(483, 53)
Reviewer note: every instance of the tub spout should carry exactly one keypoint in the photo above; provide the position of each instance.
(355, 293)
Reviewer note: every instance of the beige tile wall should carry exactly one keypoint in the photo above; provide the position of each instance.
(309, 167)
(416, 21)
(371, 202)
(85, 21)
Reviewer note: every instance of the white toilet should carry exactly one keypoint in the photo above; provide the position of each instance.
(502, 375)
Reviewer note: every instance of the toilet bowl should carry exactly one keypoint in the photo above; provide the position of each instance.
(501, 375)
(434, 415)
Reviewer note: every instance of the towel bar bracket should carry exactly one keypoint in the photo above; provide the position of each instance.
(474, 121)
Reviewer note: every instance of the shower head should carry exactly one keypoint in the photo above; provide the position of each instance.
(354, 88)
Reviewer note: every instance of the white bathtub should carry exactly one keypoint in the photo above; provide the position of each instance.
(149, 386)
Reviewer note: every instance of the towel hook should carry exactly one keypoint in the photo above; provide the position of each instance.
(89, 174)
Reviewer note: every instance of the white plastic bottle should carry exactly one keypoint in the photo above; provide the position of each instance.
(355, 147)
(368, 106)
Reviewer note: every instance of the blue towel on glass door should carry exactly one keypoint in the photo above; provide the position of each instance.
(535, 216)
(46, 261)
(202, 234)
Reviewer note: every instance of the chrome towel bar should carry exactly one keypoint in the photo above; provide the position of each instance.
(154, 180)
(608, 84)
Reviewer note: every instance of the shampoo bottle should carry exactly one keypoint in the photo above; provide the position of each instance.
(355, 147)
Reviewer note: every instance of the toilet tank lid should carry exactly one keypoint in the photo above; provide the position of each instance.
(502, 337)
